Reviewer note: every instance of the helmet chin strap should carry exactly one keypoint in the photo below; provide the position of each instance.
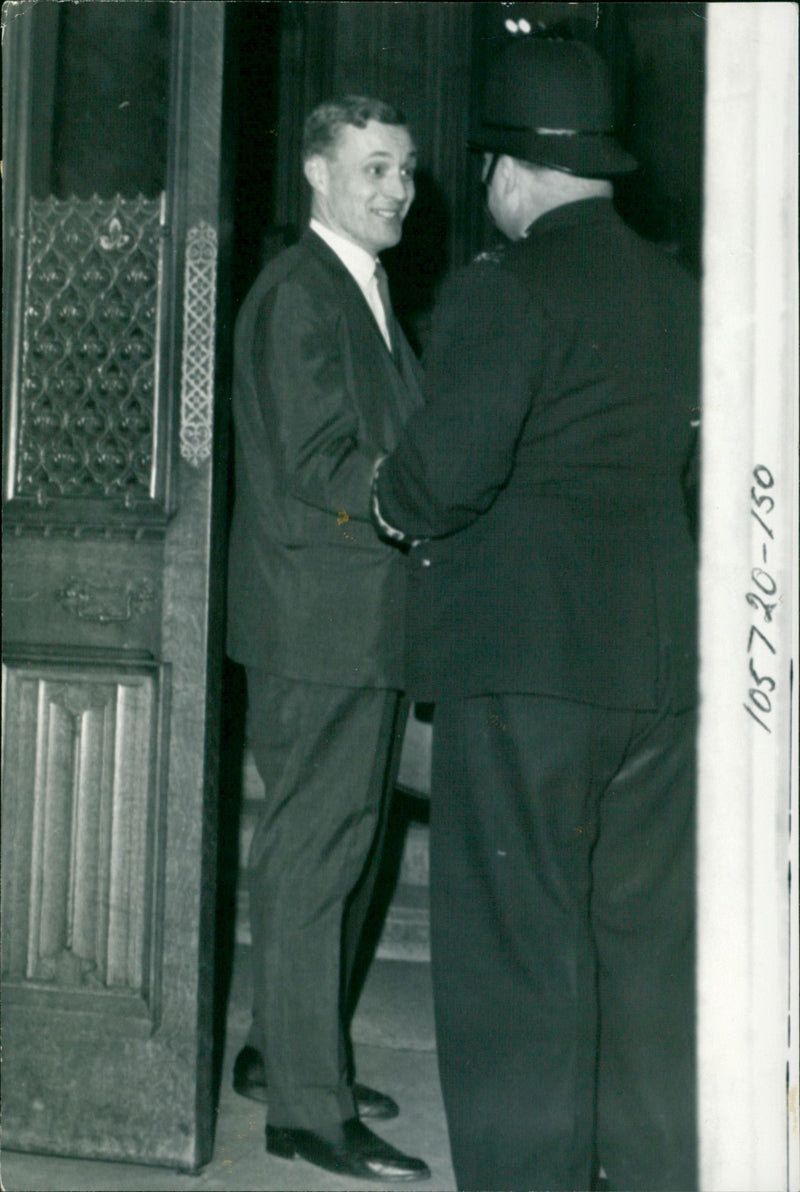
(487, 182)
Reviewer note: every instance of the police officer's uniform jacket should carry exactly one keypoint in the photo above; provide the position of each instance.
(547, 471)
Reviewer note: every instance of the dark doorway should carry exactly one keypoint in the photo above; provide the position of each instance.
(285, 57)
(254, 53)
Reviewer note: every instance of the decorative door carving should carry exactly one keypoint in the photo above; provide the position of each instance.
(114, 482)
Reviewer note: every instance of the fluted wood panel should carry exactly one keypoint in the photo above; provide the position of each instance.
(80, 776)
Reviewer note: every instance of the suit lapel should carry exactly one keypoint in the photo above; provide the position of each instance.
(351, 291)
(398, 378)
(402, 360)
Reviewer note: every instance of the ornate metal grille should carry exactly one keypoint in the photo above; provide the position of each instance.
(199, 321)
(86, 411)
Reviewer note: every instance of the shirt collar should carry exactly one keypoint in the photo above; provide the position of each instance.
(358, 262)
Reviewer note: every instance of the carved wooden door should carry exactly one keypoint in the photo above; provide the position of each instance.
(114, 387)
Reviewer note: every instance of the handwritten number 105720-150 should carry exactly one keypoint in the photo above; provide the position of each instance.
(765, 599)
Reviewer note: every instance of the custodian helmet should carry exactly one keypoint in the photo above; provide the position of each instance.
(549, 101)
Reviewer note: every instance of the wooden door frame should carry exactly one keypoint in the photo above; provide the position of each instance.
(159, 1106)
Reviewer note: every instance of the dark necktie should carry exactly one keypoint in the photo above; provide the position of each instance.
(386, 301)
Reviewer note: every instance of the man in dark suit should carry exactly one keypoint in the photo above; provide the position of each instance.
(324, 380)
(552, 619)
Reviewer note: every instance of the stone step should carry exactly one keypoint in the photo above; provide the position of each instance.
(406, 931)
(415, 863)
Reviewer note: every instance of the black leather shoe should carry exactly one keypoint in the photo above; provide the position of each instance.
(355, 1151)
(250, 1080)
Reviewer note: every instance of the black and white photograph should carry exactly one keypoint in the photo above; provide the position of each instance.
(400, 596)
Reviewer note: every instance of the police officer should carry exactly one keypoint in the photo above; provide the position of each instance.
(552, 610)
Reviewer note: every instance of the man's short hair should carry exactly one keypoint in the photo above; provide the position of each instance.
(322, 128)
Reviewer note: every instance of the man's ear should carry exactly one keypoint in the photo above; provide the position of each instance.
(316, 171)
(506, 169)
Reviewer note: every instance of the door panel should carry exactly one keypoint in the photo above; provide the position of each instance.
(114, 486)
(83, 858)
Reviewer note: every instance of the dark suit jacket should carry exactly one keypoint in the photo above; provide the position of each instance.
(547, 471)
(317, 397)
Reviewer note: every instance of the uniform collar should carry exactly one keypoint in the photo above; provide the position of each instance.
(582, 211)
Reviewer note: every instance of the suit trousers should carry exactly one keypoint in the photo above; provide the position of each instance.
(327, 759)
(562, 902)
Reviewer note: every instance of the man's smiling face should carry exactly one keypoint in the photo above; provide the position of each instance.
(365, 186)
